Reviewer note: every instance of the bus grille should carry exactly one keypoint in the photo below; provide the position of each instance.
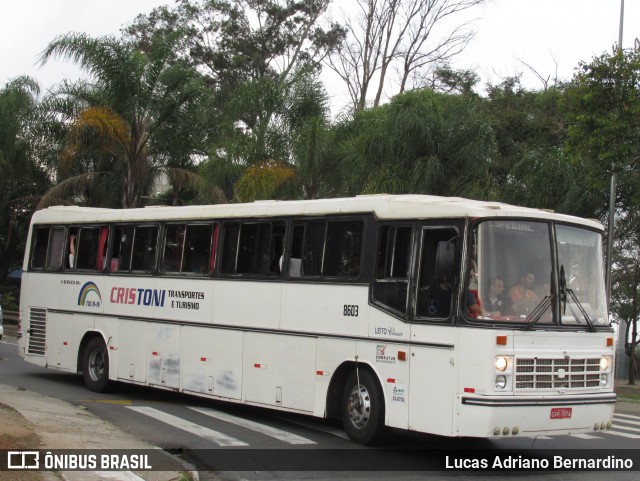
(565, 373)
(37, 331)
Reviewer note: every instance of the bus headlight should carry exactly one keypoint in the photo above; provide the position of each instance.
(502, 363)
(605, 363)
(501, 382)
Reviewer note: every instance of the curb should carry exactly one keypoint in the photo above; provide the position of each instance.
(61, 425)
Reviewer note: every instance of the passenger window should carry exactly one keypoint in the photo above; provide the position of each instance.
(253, 248)
(121, 251)
(197, 249)
(173, 248)
(187, 249)
(392, 268)
(143, 257)
(86, 249)
(330, 249)
(48, 248)
(134, 249)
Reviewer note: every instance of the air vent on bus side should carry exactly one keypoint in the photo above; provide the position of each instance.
(37, 331)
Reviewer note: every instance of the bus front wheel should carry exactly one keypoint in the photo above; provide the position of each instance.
(363, 408)
(96, 366)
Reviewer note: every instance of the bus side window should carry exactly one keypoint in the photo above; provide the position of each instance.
(343, 247)
(197, 249)
(392, 269)
(87, 248)
(145, 243)
(297, 249)
(330, 249)
(253, 248)
(313, 248)
(48, 248)
(173, 248)
(121, 250)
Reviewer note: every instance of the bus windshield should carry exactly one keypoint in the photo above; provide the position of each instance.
(515, 279)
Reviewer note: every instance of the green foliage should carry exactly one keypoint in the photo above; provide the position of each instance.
(421, 142)
(9, 298)
(261, 59)
(122, 123)
(22, 177)
(603, 103)
(263, 181)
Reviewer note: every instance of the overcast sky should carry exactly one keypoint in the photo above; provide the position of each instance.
(509, 32)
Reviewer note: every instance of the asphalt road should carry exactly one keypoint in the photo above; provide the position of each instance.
(258, 443)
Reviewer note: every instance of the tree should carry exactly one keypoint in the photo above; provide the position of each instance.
(625, 295)
(22, 178)
(603, 104)
(421, 142)
(115, 119)
(253, 52)
(603, 101)
(400, 35)
(531, 166)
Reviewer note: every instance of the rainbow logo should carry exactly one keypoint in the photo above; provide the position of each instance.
(87, 289)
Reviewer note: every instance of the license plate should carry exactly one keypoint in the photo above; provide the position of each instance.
(561, 413)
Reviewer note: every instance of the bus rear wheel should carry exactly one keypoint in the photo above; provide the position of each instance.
(363, 408)
(96, 366)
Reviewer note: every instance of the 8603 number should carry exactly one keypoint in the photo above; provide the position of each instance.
(350, 310)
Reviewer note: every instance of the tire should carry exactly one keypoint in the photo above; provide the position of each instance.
(95, 366)
(362, 408)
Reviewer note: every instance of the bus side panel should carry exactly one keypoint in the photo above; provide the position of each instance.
(326, 308)
(393, 373)
(247, 304)
(212, 361)
(188, 300)
(108, 326)
(43, 290)
(132, 351)
(133, 296)
(433, 380)
(280, 370)
(163, 353)
(331, 354)
(63, 331)
(41, 295)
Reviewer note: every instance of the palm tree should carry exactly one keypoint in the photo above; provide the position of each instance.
(117, 118)
(22, 178)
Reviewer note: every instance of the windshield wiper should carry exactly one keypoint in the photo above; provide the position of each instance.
(583, 311)
(564, 291)
(537, 313)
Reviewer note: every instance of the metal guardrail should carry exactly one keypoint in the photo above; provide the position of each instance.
(11, 317)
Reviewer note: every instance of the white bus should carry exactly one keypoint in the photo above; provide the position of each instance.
(439, 315)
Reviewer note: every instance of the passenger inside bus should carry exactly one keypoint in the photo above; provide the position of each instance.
(72, 250)
(494, 301)
(524, 295)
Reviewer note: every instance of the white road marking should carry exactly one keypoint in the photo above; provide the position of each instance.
(626, 428)
(624, 435)
(585, 436)
(206, 433)
(285, 436)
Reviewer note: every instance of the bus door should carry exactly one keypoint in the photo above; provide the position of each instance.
(432, 369)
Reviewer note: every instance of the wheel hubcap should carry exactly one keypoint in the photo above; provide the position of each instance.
(359, 406)
(96, 365)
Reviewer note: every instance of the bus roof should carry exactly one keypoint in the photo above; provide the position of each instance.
(383, 206)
